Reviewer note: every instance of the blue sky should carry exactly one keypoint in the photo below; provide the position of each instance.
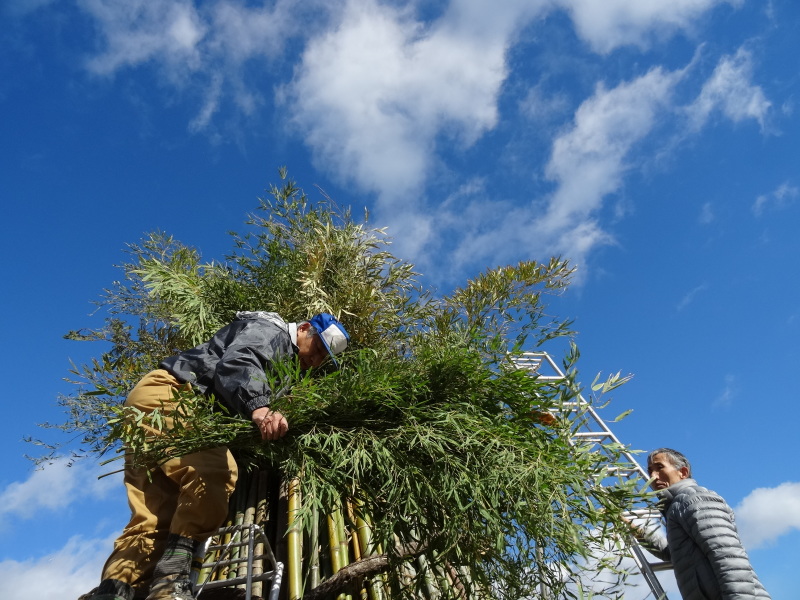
(654, 144)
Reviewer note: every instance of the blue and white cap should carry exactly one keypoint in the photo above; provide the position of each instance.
(332, 333)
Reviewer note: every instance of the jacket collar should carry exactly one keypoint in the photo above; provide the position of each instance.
(667, 495)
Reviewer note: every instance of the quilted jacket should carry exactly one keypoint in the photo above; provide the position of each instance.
(703, 544)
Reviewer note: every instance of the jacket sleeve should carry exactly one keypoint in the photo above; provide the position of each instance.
(654, 542)
(710, 523)
(241, 375)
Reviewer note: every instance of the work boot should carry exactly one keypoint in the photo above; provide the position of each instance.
(110, 589)
(171, 577)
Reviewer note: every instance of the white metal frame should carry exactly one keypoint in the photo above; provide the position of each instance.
(242, 537)
(594, 430)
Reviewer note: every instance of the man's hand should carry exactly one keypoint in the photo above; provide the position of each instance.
(272, 425)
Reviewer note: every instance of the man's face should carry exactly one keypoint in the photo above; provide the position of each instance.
(664, 471)
(310, 350)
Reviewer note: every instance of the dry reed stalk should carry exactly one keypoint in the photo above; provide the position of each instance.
(249, 513)
(259, 518)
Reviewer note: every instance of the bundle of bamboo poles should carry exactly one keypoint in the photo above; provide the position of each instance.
(336, 542)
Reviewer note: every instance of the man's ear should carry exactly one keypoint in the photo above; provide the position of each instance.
(303, 326)
(684, 471)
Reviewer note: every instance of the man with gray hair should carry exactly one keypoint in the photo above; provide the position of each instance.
(702, 542)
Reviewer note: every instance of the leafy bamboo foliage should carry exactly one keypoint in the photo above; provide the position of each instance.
(428, 432)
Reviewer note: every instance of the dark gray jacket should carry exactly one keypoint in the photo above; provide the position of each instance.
(703, 544)
(233, 364)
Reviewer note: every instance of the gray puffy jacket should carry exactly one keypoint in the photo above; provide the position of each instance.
(703, 544)
(233, 364)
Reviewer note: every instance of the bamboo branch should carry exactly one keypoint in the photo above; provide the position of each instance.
(366, 567)
(346, 575)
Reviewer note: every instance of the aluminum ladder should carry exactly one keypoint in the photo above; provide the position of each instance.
(593, 429)
(237, 556)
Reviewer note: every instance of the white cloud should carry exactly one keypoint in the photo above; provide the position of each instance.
(374, 92)
(783, 196)
(768, 513)
(587, 164)
(728, 394)
(730, 91)
(588, 161)
(706, 214)
(137, 31)
(377, 93)
(62, 575)
(689, 297)
(27, 499)
(239, 32)
(540, 106)
(612, 23)
(203, 48)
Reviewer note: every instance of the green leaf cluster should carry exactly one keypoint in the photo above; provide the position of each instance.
(428, 427)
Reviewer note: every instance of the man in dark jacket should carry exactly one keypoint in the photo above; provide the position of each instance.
(179, 504)
(702, 542)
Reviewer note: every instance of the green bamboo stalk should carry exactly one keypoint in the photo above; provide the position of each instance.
(338, 560)
(344, 544)
(356, 546)
(333, 544)
(205, 573)
(377, 583)
(218, 573)
(252, 514)
(445, 585)
(407, 574)
(281, 520)
(313, 562)
(238, 519)
(431, 587)
(294, 542)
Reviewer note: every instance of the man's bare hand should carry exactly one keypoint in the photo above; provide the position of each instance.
(272, 425)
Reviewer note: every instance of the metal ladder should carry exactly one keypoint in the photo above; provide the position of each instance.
(594, 430)
(234, 556)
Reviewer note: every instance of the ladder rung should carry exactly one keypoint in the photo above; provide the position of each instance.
(237, 581)
(231, 561)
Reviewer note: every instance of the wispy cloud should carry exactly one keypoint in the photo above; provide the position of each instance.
(612, 23)
(729, 91)
(768, 513)
(689, 297)
(141, 30)
(196, 46)
(380, 95)
(706, 214)
(588, 162)
(783, 196)
(63, 575)
(728, 394)
(373, 94)
(27, 499)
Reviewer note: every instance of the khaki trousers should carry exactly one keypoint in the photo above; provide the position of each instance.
(187, 496)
